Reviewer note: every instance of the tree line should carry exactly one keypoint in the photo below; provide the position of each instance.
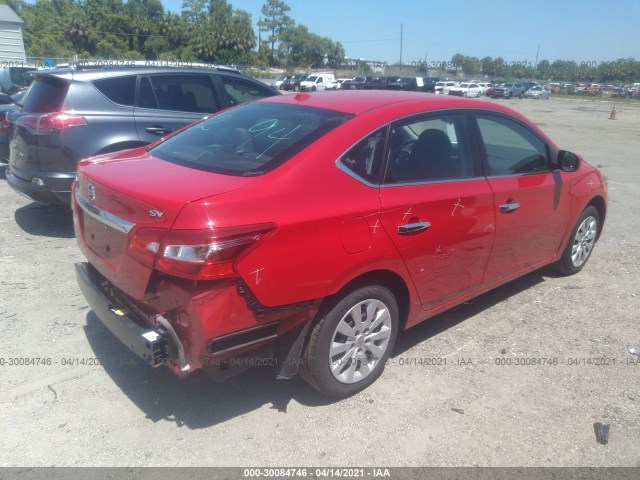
(624, 70)
(206, 31)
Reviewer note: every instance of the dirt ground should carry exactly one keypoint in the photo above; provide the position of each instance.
(484, 404)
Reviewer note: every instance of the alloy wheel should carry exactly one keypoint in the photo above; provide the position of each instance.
(583, 241)
(360, 341)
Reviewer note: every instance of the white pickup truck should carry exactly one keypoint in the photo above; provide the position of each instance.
(317, 81)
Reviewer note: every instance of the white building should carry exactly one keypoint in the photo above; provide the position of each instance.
(11, 44)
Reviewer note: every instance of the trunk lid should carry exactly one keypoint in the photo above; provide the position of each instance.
(118, 194)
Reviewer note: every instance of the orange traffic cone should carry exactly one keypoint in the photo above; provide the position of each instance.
(613, 113)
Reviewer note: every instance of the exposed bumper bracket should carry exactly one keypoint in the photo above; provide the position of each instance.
(149, 344)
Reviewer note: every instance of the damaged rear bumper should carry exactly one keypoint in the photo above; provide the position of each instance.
(151, 345)
(213, 327)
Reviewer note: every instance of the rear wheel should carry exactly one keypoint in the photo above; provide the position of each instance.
(348, 348)
(581, 242)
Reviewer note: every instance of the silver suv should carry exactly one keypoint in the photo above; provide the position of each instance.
(75, 112)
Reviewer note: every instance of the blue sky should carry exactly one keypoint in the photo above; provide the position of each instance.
(584, 31)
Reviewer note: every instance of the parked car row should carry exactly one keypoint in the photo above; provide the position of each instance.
(327, 81)
(595, 90)
(209, 235)
(413, 84)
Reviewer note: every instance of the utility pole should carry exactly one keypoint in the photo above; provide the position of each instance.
(536, 64)
(401, 49)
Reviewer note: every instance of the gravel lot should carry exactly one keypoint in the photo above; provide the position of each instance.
(476, 407)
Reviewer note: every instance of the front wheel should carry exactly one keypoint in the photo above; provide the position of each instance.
(580, 244)
(349, 347)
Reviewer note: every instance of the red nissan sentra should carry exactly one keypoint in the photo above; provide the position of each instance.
(309, 229)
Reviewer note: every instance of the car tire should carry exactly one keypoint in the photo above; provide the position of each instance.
(296, 88)
(581, 242)
(348, 347)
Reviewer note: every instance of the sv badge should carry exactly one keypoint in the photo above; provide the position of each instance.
(156, 213)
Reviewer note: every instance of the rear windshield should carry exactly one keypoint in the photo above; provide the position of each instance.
(249, 140)
(45, 96)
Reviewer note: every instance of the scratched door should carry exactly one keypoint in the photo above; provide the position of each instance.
(437, 208)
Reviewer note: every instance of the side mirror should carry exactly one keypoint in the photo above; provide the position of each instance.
(568, 161)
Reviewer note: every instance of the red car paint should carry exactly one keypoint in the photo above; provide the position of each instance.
(325, 229)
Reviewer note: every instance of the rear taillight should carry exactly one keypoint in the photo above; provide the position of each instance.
(195, 254)
(145, 244)
(4, 125)
(50, 123)
(56, 122)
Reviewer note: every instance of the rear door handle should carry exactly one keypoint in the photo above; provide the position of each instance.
(509, 207)
(413, 227)
(158, 130)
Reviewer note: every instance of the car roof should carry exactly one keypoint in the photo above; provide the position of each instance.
(70, 73)
(359, 102)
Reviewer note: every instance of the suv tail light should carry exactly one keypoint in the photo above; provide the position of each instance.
(56, 122)
(195, 254)
(4, 125)
(50, 123)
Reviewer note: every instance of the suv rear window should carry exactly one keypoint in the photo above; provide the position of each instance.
(249, 140)
(46, 95)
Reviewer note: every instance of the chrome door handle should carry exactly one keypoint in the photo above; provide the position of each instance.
(413, 227)
(509, 207)
(158, 130)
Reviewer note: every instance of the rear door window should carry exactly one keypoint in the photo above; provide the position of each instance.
(183, 93)
(431, 148)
